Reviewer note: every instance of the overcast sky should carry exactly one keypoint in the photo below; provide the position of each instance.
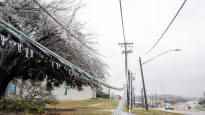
(181, 73)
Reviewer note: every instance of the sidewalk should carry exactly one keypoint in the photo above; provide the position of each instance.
(119, 110)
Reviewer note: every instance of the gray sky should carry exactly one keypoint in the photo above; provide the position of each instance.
(181, 73)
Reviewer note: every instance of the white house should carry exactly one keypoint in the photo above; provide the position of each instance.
(63, 93)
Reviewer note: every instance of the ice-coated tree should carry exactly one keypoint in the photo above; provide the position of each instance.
(74, 45)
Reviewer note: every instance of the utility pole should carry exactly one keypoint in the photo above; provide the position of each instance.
(133, 97)
(143, 85)
(126, 51)
(142, 98)
(131, 93)
(130, 90)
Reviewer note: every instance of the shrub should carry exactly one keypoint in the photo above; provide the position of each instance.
(101, 94)
(22, 105)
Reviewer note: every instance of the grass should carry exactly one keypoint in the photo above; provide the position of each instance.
(84, 113)
(153, 112)
(86, 107)
(92, 103)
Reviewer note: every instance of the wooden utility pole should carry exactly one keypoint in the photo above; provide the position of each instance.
(142, 98)
(130, 90)
(126, 51)
(143, 85)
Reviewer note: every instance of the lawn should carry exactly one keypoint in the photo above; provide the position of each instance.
(86, 107)
(153, 112)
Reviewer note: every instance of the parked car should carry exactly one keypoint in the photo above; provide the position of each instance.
(168, 106)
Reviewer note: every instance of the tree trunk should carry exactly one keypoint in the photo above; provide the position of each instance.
(4, 81)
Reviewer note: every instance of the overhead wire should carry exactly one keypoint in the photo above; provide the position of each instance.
(168, 27)
(122, 21)
(153, 58)
(124, 38)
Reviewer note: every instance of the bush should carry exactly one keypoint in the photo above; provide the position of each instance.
(22, 105)
(100, 94)
(202, 102)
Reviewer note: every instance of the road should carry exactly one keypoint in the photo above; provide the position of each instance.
(182, 108)
(188, 112)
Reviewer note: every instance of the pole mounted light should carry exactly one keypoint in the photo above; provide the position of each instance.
(177, 50)
(161, 54)
(142, 73)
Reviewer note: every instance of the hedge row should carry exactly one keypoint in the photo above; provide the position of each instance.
(23, 105)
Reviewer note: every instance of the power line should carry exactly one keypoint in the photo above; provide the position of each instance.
(167, 28)
(122, 21)
(125, 44)
(26, 39)
(161, 54)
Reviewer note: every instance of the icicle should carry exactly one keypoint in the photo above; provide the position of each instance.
(31, 53)
(70, 72)
(58, 65)
(19, 47)
(27, 52)
(14, 43)
(67, 71)
(10, 43)
(65, 68)
(2, 40)
(52, 64)
(74, 73)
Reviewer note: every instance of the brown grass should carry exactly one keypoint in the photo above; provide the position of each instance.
(153, 112)
(87, 107)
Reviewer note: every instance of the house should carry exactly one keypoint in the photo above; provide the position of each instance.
(11, 89)
(64, 93)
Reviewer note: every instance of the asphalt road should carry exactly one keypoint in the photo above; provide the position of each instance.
(182, 108)
(187, 112)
